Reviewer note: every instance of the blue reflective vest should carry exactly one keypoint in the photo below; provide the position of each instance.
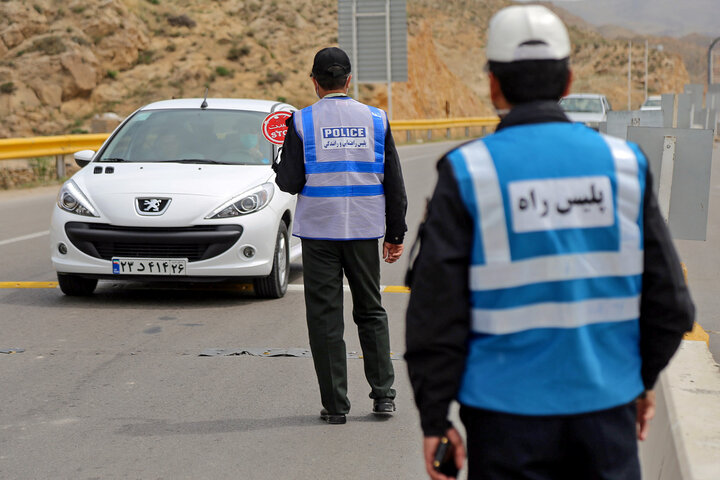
(344, 152)
(556, 269)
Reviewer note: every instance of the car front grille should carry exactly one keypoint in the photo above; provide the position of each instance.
(195, 243)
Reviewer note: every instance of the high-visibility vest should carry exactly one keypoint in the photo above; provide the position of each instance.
(344, 148)
(556, 269)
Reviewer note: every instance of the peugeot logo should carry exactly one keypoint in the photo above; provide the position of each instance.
(151, 205)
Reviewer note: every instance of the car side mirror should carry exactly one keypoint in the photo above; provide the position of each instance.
(83, 157)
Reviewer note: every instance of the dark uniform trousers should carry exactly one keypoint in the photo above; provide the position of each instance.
(324, 262)
(598, 445)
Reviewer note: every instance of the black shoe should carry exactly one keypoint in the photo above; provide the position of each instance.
(383, 406)
(333, 418)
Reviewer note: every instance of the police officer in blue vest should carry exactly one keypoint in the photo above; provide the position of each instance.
(339, 156)
(547, 295)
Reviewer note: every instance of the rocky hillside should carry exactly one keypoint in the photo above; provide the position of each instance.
(63, 62)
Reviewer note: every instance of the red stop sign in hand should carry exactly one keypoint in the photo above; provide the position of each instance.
(274, 128)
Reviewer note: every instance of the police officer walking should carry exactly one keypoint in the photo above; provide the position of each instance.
(547, 295)
(339, 156)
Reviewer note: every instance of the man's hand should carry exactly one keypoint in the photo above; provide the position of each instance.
(392, 251)
(457, 450)
(645, 412)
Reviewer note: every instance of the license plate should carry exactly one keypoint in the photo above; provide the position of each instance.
(149, 266)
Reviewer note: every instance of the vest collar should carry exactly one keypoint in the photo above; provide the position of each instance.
(541, 111)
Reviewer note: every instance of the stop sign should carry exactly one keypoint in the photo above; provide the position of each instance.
(274, 128)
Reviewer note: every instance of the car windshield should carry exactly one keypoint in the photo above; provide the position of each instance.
(231, 137)
(582, 105)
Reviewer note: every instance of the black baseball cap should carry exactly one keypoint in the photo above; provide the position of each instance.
(330, 62)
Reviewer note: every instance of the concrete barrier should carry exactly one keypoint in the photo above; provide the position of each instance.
(684, 439)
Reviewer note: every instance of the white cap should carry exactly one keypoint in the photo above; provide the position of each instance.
(527, 32)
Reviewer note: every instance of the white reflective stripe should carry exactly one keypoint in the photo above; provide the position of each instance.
(556, 268)
(628, 195)
(488, 199)
(343, 178)
(555, 315)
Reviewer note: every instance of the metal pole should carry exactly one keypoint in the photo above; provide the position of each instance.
(355, 50)
(646, 69)
(387, 54)
(667, 167)
(629, 69)
(710, 61)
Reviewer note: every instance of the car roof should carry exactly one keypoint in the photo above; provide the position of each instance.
(220, 104)
(584, 95)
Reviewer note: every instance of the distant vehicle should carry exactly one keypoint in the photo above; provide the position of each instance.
(587, 108)
(181, 191)
(652, 103)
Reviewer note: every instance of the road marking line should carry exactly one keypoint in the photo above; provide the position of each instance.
(293, 287)
(396, 289)
(697, 334)
(298, 287)
(28, 284)
(24, 237)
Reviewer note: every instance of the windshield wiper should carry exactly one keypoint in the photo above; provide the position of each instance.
(112, 160)
(194, 160)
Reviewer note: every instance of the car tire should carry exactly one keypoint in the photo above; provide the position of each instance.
(76, 286)
(275, 285)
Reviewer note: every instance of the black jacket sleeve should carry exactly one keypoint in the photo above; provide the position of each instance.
(438, 315)
(666, 309)
(290, 169)
(395, 196)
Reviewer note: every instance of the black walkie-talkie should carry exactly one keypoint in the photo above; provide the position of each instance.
(443, 462)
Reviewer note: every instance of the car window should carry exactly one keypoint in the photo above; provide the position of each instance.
(581, 105)
(191, 135)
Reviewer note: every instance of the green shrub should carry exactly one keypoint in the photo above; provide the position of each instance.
(223, 72)
(181, 21)
(146, 57)
(112, 74)
(41, 167)
(238, 52)
(51, 45)
(7, 87)
(275, 77)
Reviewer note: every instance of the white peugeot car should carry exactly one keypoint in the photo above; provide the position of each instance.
(181, 191)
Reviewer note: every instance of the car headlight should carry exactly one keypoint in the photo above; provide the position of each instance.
(247, 202)
(73, 200)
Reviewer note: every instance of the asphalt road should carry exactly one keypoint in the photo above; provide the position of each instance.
(113, 386)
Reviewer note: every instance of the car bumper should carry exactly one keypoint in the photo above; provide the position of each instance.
(259, 231)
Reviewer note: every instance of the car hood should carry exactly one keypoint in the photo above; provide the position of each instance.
(194, 189)
(584, 117)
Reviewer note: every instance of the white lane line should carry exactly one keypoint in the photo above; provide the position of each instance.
(24, 237)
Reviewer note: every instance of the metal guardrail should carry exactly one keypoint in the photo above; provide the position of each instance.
(33, 147)
(443, 123)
